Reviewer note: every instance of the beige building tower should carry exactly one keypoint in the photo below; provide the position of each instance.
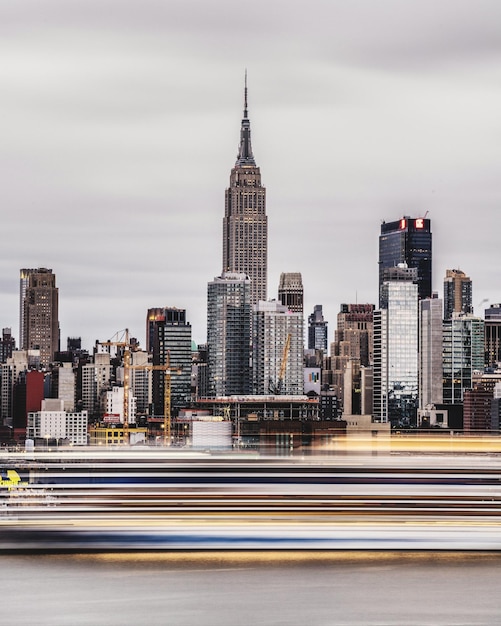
(39, 320)
(245, 224)
(290, 291)
(457, 293)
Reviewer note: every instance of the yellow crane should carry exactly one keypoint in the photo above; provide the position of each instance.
(168, 371)
(125, 344)
(277, 389)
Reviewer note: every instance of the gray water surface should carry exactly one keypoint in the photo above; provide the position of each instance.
(251, 589)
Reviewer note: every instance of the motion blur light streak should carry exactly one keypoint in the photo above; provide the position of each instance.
(135, 500)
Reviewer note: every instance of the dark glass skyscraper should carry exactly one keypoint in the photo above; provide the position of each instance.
(245, 225)
(169, 341)
(317, 330)
(407, 240)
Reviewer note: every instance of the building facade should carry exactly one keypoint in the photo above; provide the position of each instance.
(277, 349)
(457, 293)
(492, 317)
(353, 342)
(463, 355)
(229, 335)
(430, 352)
(96, 379)
(39, 321)
(407, 240)
(291, 292)
(245, 224)
(170, 345)
(52, 422)
(317, 330)
(395, 374)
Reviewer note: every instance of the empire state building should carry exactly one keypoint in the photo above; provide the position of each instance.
(245, 225)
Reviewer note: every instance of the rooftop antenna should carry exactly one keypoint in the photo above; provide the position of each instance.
(245, 95)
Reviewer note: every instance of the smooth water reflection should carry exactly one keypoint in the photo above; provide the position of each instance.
(251, 589)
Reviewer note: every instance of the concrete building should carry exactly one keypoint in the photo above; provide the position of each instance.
(291, 292)
(113, 410)
(396, 351)
(228, 335)
(408, 240)
(245, 224)
(63, 385)
(39, 320)
(277, 349)
(52, 422)
(141, 381)
(96, 378)
(477, 410)
(353, 341)
(430, 352)
(7, 345)
(457, 293)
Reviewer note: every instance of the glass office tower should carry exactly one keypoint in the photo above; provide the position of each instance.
(396, 353)
(407, 240)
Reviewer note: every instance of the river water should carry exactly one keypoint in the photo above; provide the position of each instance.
(251, 589)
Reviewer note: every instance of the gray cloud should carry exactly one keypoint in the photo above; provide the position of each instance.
(120, 124)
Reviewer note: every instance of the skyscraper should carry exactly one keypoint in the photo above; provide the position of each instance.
(352, 348)
(396, 351)
(457, 293)
(245, 225)
(317, 330)
(39, 322)
(228, 335)
(290, 291)
(492, 334)
(407, 240)
(463, 353)
(277, 350)
(169, 341)
(430, 352)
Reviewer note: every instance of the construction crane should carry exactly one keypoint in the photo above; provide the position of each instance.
(168, 371)
(277, 389)
(125, 344)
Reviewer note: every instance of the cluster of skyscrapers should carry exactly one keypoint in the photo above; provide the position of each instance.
(413, 360)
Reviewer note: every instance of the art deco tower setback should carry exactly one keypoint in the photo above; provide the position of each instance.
(245, 224)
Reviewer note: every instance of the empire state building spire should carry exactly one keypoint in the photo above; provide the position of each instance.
(245, 225)
(245, 156)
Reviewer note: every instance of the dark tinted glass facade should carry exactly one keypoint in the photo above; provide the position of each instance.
(407, 240)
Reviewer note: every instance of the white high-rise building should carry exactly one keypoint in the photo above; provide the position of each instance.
(95, 378)
(228, 335)
(430, 352)
(278, 346)
(396, 349)
(114, 405)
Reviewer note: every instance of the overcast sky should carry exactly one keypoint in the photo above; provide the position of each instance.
(120, 121)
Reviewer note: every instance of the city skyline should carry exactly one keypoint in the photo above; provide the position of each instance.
(120, 130)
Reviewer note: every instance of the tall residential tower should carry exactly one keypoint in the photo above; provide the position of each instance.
(39, 321)
(245, 225)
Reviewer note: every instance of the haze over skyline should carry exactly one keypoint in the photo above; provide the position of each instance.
(120, 123)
